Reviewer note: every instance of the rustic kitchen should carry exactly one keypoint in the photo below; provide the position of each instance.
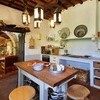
(55, 59)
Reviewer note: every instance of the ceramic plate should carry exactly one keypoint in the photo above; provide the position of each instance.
(80, 31)
(64, 33)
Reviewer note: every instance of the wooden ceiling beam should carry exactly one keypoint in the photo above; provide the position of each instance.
(61, 4)
(80, 1)
(32, 4)
(41, 3)
(70, 2)
(16, 6)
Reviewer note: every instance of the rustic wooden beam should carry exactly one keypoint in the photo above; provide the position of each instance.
(70, 2)
(42, 4)
(80, 1)
(7, 4)
(61, 4)
(16, 29)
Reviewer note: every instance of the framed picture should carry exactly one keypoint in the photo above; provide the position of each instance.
(31, 43)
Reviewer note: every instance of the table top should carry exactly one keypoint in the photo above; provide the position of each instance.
(45, 75)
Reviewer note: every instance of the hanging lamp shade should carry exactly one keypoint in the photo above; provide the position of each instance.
(25, 17)
(57, 16)
(37, 24)
(38, 13)
(52, 24)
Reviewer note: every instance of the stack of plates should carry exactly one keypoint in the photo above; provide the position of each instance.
(38, 66)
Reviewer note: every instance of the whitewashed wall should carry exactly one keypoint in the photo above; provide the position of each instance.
(85, 14)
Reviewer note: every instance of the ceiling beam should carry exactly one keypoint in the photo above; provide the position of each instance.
(80, 1)
(7, 4)
(41, 3)
(70, 2)
(61, 4)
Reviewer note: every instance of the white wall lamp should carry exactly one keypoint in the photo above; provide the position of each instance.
(57, 16)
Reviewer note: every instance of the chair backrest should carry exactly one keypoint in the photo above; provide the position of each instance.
(10, 60)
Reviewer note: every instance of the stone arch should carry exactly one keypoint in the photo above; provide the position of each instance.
(14, 41)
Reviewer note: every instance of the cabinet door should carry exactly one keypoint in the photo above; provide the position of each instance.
(54, 59)
(97, 81)
(97, 72)
(96, 64)
(96, 68)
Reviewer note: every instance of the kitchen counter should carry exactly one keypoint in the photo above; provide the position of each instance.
(76, 57)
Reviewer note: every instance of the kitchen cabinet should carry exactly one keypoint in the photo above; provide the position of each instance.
(96, 74)
(54, 59)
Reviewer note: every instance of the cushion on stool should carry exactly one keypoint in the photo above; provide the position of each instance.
(77, 91)
(22, 93)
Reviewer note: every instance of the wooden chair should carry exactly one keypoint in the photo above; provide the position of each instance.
(78, 92)
(22, 93)
(8, 64)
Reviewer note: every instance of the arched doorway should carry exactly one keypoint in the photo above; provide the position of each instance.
(9, 43)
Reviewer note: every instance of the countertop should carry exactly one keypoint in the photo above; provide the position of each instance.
(77, 57)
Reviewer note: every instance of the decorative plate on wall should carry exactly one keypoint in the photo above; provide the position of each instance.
(80, 31)
(64, 33)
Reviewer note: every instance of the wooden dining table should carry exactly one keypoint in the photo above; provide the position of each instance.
(44, 78)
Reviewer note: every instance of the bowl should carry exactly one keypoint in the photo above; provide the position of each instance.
(38, 66)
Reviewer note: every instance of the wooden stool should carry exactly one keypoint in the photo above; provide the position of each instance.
(78, 92)
(22, 93)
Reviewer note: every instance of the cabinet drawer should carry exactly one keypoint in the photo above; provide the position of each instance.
(96, 64)
(97, 82)
(97, 72)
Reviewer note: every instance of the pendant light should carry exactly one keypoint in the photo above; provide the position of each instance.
(25, 14)
(57, 16)
(52, 24)
(38, 13)
(25, 17)
(37, 24)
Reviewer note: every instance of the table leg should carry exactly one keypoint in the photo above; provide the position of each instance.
(64, 89)
(20, 78)
(46, 91)
(42, 92)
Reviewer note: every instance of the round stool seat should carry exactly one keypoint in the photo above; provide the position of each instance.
(78, 92)
(22, 93)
